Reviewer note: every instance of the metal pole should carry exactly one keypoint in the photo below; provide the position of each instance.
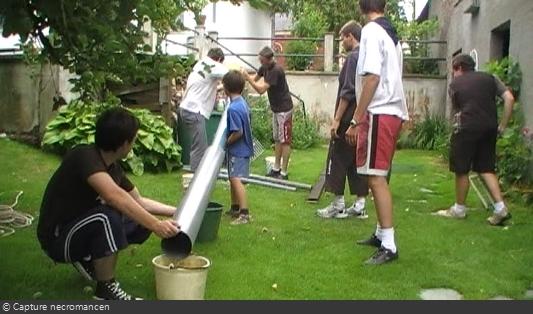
(191, 210)
(259, 182)
(274, 180)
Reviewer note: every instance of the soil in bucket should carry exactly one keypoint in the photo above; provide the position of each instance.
(180, 279)
(210, 223)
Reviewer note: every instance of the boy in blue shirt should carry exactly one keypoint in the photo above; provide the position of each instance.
(239, 145)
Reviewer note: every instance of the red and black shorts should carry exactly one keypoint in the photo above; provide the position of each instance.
(282, 127)
(376, 144)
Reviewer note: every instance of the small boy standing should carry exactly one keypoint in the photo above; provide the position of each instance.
(239, 145)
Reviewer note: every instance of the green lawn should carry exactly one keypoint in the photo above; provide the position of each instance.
(307, 257)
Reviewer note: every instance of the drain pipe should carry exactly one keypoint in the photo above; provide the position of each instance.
(190, 212)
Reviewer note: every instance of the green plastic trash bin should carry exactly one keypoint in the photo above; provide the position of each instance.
(184, 139)
(209, 227)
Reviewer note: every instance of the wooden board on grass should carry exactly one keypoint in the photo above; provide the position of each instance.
(318, 188)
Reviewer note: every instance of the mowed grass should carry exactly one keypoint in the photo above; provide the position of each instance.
(308, 258)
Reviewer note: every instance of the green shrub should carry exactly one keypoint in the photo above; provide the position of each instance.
(514, 147)
(419, 31)
(311, 23)
(300, 63)
(305, 133)
(261, 119)
(75, 125)
(514, 153)
(509, 72)
(433, 133)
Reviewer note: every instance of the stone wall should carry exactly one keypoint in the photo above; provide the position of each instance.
(425, 95)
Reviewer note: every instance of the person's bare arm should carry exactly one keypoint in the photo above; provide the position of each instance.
(370, 84)
(343, 104)
(234, 137)
(257, 82)
(508, 103)
(152, 206)
(260, 86)
(120, 200)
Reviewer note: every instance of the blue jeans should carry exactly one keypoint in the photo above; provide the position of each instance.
(238, 167)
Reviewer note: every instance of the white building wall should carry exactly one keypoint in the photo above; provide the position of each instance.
(229, 21)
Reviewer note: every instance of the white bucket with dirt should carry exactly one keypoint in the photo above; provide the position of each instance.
(182, 279)
(269, 163)
(186, 179)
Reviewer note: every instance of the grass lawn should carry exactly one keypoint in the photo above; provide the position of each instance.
(307, 257)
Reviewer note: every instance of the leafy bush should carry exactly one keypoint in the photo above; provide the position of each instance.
(311, 23)
(300, 63)
(261, 120)
(433, 133)
(509, 72)
(514, 147)
(514, 153)
(419, 31)
(75, 125)
(305, 134)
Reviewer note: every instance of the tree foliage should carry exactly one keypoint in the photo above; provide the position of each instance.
(99, 40)
(336, 12)
(312, 24)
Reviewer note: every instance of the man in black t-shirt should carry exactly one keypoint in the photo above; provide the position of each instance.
(473, 143)
(271, 78)
(340, 164)
(90, 210)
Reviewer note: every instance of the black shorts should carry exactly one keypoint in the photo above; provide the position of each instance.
(473, 150)
(340, 166)
(98, 233)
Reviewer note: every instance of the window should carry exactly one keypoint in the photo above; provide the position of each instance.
(500, 41)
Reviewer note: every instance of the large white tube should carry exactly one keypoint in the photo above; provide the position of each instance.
(191, 210)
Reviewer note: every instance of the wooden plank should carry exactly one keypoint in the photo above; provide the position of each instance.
(318, 188)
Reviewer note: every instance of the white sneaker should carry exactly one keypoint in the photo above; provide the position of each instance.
(330, 211)
(357, 210)
(450, 213)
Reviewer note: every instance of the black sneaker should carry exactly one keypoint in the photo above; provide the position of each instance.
(382, 256)
(111, 290)
(283, 176)
(372, 241)
(274, 174)
(85, 268)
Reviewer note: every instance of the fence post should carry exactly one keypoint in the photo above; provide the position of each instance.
(328, 52)
(191, 43)
(200, 42)
(213, 39)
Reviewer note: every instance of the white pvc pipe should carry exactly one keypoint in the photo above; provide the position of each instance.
(191, 209)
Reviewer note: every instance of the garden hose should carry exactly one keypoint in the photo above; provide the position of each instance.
(11, 219)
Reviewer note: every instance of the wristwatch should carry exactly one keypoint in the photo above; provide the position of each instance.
(354, 123)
